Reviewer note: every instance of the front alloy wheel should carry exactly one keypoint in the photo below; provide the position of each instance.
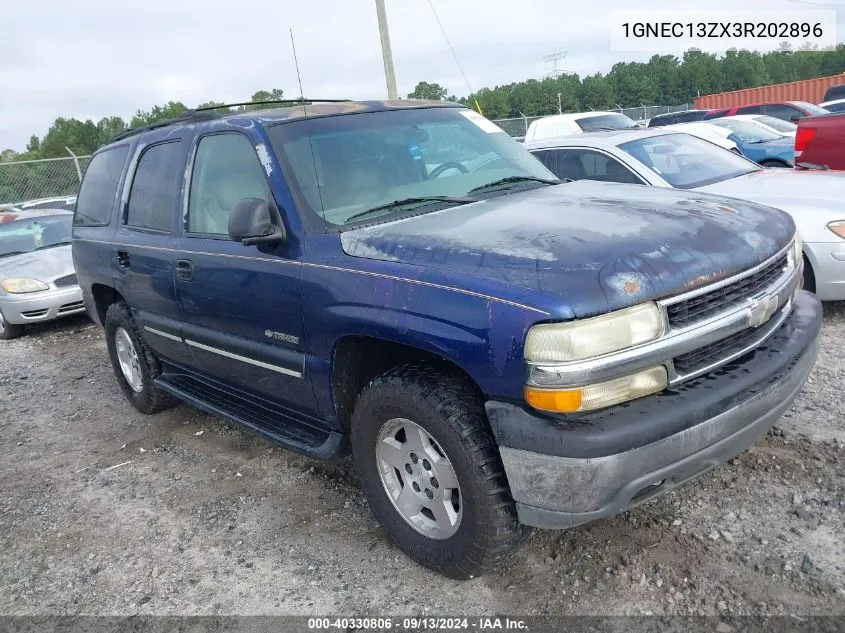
(419, 479)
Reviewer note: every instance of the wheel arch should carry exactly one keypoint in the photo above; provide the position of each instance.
(357, 359)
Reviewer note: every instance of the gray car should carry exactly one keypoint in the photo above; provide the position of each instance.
(37, 280)
(666, 158)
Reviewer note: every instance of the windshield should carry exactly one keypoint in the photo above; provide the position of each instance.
(812, 108)
(343, 166)
(606, 122)
(786, 127)
(25, 236)
(686, 161)
(746, 131)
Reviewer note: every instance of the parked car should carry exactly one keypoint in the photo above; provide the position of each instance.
(820, 141)
(769, 123)
(837, 105)
(37, 281)
(721, 136)
(683, 116)
(671, 160)
(68, 203)
(576, 123)
(834, 92)
(769, 149)
(498, 348)
(786, 110)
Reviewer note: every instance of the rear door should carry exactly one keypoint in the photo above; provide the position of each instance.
(240, 305)
(145, 243)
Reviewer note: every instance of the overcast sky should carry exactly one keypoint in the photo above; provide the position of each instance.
(95, 58)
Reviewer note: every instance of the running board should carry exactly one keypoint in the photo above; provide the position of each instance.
(285, 428)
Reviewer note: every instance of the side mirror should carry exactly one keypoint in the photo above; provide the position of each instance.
(250, 223)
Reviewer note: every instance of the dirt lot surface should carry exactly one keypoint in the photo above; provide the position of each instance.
(106, 511)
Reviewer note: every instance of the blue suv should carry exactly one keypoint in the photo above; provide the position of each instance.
(498, 349)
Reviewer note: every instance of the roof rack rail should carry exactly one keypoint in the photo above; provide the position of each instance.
(289, 101)
(188, 115)
(206, 113)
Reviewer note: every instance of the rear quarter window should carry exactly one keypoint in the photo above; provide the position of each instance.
(98, 190)
(156, 187)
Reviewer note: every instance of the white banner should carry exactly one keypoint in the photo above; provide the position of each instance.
(718, 30)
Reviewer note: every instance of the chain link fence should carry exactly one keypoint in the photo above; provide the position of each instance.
(519, 127)
(31, 179)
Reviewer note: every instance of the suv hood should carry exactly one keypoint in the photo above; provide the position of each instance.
(44, 265)
(598, 246)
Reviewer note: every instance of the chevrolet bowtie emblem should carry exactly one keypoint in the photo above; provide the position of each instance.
(761, 310)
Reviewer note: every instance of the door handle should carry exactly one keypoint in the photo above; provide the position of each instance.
(185, 269)
(123, 260)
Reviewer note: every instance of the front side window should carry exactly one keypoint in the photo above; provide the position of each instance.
(755, 109)
(154, 196)
(343, 166)
(226, 169)
(18, 236)
(98, 190)
(783, 111)
(686, 162)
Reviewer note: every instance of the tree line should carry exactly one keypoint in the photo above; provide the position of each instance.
(664, 80)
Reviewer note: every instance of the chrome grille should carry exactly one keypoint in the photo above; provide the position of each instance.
(695, 309)
(733, 346)
(67, 280)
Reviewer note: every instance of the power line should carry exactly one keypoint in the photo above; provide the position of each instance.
(451, 48)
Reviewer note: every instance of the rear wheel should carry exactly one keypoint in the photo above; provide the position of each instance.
(431, 471)
(773, 163)
(8, 330)
(135, 365)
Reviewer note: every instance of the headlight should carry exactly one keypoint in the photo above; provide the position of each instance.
(21, 285)
(837, 227)
(577, 340)
(599, 395)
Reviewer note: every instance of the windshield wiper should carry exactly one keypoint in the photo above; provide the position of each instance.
(398, 204)
(514, 180)
(9, 254)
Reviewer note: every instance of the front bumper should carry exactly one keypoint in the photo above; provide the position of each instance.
(828, 262)
(47, 305)
(563, 471)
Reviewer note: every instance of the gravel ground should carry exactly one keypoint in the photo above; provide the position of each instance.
(106, 511)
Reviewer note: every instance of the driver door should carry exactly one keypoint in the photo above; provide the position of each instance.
(240, 305)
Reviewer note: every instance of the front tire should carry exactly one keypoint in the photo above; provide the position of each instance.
(135, 365)
(8, 331)
(431, 470)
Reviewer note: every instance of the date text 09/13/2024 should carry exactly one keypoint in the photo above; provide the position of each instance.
(483, 623)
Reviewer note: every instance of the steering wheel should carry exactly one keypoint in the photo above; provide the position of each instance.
(437, 171)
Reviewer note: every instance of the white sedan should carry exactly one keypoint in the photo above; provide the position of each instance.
(663, 158)
(770, 123)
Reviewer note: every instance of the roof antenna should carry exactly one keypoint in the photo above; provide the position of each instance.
(296, 63)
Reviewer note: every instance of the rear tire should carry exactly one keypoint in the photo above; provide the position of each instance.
(8, 331)
(774, 163)
(134, 363)
(479, 528)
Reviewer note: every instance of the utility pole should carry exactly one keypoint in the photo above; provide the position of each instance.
(386, 52)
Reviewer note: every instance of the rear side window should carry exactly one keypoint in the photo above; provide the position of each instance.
(783, 111)
(834, 92)
(580, 164)
(154, 196)
(97, 193)
(755, 109)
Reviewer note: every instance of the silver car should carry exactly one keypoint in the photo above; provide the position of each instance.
(37, 280)
(666, 158)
